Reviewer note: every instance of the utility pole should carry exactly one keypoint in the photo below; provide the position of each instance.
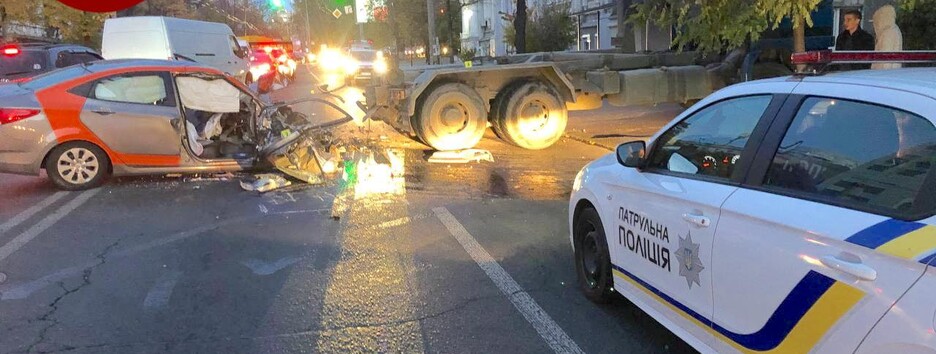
(432, 37)
(308, 38)
(451, 29)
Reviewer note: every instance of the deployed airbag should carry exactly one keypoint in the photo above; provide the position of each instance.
(217, 95)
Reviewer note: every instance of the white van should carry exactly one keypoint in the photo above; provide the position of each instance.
(151, 37)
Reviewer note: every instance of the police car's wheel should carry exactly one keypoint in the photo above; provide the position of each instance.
(592, 259)
(529, 114)
(77, 166)
(451, 117)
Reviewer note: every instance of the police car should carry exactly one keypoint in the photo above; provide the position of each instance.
(785, 215)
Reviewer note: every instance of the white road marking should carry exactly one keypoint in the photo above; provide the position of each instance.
(394, 223)
(555, 337)
(158, 296)
(259, 267)
(23, 290)
(23, 238)
(264, 209)
(28, 213)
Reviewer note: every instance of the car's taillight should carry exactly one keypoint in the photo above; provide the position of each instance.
(10, 115)
(10, 50)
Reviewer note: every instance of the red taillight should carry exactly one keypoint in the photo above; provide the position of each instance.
(10, 50)
(829, 57)
(10, 115)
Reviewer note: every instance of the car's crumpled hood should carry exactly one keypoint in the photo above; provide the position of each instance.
(292, 143)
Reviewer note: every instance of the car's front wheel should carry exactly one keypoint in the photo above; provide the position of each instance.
(592, 258)
(77, 166)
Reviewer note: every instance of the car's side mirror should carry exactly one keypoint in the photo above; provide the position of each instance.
(631, 154)
(241, 53)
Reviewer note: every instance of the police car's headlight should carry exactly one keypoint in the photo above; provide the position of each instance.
(577, 182)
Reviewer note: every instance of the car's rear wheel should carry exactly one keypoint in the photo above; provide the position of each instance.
(77, 166)
(592, 258)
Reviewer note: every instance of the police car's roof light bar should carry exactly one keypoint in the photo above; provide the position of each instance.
(851, 57)
(816, 62)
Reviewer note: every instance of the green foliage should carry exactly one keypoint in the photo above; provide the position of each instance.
(548, 29)
(715, 25)
(466, 54)
(73, 25)
(917, 22)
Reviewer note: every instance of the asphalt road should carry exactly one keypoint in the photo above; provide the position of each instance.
(460, 258)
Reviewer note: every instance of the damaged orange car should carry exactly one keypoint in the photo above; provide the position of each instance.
(87, 122)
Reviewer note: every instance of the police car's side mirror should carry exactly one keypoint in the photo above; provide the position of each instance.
(631, 154)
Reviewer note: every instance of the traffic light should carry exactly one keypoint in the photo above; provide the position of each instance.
(276, 4)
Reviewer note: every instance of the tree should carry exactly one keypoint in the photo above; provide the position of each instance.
(171, 8)
(549, 29)
(716, 25)
(72, 25)
(519, 26)
(915, 19)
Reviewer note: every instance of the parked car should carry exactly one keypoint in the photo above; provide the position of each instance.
(131, 117)
(263, 70)
(285, 65)
(149, 37)
(21, 61)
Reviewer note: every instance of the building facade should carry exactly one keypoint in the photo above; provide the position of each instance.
(484, 26)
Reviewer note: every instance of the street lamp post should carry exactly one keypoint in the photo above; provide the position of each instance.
(432, 36)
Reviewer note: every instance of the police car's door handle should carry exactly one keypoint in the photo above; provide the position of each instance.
(859, 270)
(696, 219)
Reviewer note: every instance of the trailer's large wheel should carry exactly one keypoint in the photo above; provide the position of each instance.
(529, 114)
(451, 117)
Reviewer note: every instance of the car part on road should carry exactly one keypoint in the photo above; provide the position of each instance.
(529, 114)
(77, 166)
(592, 258)
(461, 156)
(265, 182)
(452, 118)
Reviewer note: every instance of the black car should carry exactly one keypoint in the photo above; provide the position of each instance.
(21, 61)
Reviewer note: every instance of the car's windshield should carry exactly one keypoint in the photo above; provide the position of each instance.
(364, 55)
(55, 77)
(23, 64)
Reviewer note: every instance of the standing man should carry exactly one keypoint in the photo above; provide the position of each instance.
(854, 38)
(889, 38)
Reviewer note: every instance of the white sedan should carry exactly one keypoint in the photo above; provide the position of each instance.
(788, 215)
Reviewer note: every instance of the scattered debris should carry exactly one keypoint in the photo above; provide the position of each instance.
(265, 182)
(461, 156)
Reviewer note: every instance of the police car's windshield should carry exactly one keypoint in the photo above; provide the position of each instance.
(23, 64)
(55, 77)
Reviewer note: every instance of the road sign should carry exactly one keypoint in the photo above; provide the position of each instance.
(336, 13)
(348, 9)
(361, 7)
